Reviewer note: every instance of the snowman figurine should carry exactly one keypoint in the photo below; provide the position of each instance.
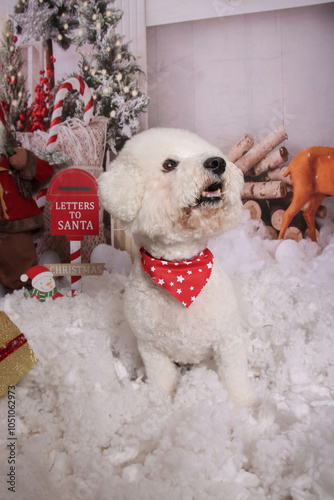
(42, 282)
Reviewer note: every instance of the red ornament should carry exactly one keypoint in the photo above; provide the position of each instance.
(14, 39)
(22, 117)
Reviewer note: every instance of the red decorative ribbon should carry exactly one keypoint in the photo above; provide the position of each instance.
(183, 279)
(12, 346)
(2, 115)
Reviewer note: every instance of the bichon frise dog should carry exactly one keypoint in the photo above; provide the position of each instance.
(173, 191)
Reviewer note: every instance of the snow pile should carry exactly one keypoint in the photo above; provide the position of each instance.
(89, 427)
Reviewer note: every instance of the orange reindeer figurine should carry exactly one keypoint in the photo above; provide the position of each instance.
(312, 177)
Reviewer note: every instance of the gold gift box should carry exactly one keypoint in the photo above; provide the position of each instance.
(16, 355)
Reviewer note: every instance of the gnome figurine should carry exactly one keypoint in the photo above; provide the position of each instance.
(42, 282)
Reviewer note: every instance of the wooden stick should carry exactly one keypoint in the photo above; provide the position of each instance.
(270, 162)
(240, 148)
(264, 190)
(260, 150)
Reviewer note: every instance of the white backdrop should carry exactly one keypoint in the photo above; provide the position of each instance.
(224, 76)
(247, 73)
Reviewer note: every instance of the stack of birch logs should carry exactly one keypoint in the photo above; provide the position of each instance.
(266, 193)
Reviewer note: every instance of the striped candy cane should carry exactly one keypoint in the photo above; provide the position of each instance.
(74, 83)
(75, 251)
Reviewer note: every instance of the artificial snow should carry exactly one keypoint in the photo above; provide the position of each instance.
(88, 426)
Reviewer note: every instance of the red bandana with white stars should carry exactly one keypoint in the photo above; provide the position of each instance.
(183, 279)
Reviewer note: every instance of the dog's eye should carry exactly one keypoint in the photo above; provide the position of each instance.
(169, 165)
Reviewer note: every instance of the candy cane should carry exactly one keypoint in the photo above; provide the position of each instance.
(75, 251)
(74, 83)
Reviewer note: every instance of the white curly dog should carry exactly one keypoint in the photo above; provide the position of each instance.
(173, 191)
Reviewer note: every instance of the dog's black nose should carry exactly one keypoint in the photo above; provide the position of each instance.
(216, 164)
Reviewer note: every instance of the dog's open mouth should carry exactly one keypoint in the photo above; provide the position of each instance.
(211, 194)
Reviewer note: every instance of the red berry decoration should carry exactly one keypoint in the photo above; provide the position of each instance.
(39, 112)
(14, 39)
(22, 117)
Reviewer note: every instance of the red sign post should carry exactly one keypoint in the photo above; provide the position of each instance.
(74, 207)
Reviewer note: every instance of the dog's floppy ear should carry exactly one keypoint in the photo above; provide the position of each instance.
(121, 191)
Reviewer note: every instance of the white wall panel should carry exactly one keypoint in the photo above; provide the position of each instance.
(249, 73)
(175, 11)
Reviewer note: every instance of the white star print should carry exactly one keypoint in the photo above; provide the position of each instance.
(184, 304)
(193, 298)
(179, 290)
(189, 272)
(200, 270)
(180, 278)
(164, 262)
(169, 271)
(152, 269)
(161, 282)
(191, 288)
(171, 283)
(209, 265)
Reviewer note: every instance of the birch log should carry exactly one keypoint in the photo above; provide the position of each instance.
(321, 212)
(307, 234)
(264, 190)
(240, 148)
(254, 209)
(272, 232)
(261, 149)
(276, 216)
(293, 233)
(270, 162)
(277, 175)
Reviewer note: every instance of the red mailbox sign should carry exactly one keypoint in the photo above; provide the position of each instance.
(74, 204)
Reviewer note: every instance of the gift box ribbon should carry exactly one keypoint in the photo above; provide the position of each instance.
(12, 346)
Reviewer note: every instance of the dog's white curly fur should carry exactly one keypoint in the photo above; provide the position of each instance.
(163, 212)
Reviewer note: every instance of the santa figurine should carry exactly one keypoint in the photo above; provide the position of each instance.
(20, 172)
(43, 283)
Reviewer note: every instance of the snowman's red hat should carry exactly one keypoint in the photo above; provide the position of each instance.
(36, 272)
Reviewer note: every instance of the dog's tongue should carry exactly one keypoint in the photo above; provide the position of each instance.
(211, 194)
(212, 191)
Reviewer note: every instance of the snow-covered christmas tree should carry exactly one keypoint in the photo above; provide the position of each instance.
(110, 69)
(107, 65)
(46, 20)
(13, 93)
